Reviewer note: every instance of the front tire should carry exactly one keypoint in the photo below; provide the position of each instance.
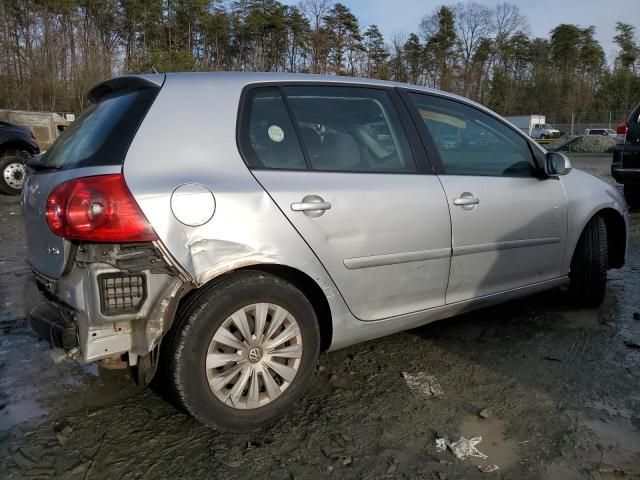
(588, 275)
(244, 351)
(632, 196)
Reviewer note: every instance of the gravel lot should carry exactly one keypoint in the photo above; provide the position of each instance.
(562, 387)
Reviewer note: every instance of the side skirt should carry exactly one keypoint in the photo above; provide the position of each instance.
(350, 331)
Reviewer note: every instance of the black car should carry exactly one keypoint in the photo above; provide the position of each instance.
(626, 158)
(16, 145)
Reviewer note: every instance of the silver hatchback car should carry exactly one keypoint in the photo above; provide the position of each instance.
(227, 227)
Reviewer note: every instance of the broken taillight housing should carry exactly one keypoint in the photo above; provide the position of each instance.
(97, 209)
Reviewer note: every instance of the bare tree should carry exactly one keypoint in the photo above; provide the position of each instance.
(53, 51)
(315, 11)
(474, 24)
(508, 20)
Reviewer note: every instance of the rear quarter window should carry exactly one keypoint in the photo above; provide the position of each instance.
(103, 132)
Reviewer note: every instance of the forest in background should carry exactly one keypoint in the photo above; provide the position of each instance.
(53, 51)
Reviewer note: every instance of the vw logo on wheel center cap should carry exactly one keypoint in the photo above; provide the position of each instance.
(255, 354)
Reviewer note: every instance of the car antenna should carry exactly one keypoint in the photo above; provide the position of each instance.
(154, 70)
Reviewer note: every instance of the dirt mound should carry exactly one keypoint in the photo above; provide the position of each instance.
(582, 144)
(559, 142)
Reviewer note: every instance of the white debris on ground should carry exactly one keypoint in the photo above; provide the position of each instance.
(492, 467)
(464, 448)
(423, 384)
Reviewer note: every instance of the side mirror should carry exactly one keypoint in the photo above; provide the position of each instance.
(557, 164)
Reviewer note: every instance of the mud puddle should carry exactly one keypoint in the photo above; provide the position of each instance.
(17, 411)
(618, 440)
(499, 449)
(32, 386)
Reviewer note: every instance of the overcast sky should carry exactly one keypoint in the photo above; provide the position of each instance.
(403, 16)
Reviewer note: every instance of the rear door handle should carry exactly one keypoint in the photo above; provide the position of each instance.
(311, 205)
(467, 201)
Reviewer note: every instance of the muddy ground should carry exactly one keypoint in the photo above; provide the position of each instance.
(562, 387)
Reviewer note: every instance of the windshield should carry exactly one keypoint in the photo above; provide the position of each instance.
(102, 134)
(546, 125)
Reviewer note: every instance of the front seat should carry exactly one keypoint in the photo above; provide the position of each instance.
(312, 141)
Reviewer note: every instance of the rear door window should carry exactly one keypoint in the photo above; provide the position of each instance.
(350, 129)
(102, 134)
(269, 137)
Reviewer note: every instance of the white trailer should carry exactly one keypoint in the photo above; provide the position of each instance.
(534, 125)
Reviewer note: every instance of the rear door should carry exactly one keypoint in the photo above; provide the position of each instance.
(508, 225)
(375, 218)
(95, 144)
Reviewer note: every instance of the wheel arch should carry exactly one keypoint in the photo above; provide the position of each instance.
(616, 236)
(302, 281)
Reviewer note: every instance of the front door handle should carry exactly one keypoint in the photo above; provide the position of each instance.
(467, 201)
(311, 205)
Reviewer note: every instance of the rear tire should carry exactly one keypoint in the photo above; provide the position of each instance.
(13, 173)
(588, 275)
(632, 196)
(202, 356)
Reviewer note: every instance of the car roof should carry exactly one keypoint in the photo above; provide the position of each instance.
(249, 78)
(244, 79)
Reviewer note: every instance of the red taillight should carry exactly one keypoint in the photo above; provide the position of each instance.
(97, 209)
(621, 131)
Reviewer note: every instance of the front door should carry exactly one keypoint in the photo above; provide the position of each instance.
(508, 225)
(353, 191)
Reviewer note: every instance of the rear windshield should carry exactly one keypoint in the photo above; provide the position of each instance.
(102, 134)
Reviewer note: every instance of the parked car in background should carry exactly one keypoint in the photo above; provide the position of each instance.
(45, 126)
(309, 213)
(535, 126)
(16, 145)
(603, 132)
(626, 158)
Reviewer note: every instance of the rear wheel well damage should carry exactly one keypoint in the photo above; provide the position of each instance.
(311, 290)
(300, 280)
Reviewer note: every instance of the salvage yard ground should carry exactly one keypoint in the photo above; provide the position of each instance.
(558, 390)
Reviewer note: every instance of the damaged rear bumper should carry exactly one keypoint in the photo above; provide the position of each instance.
(115, 300)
